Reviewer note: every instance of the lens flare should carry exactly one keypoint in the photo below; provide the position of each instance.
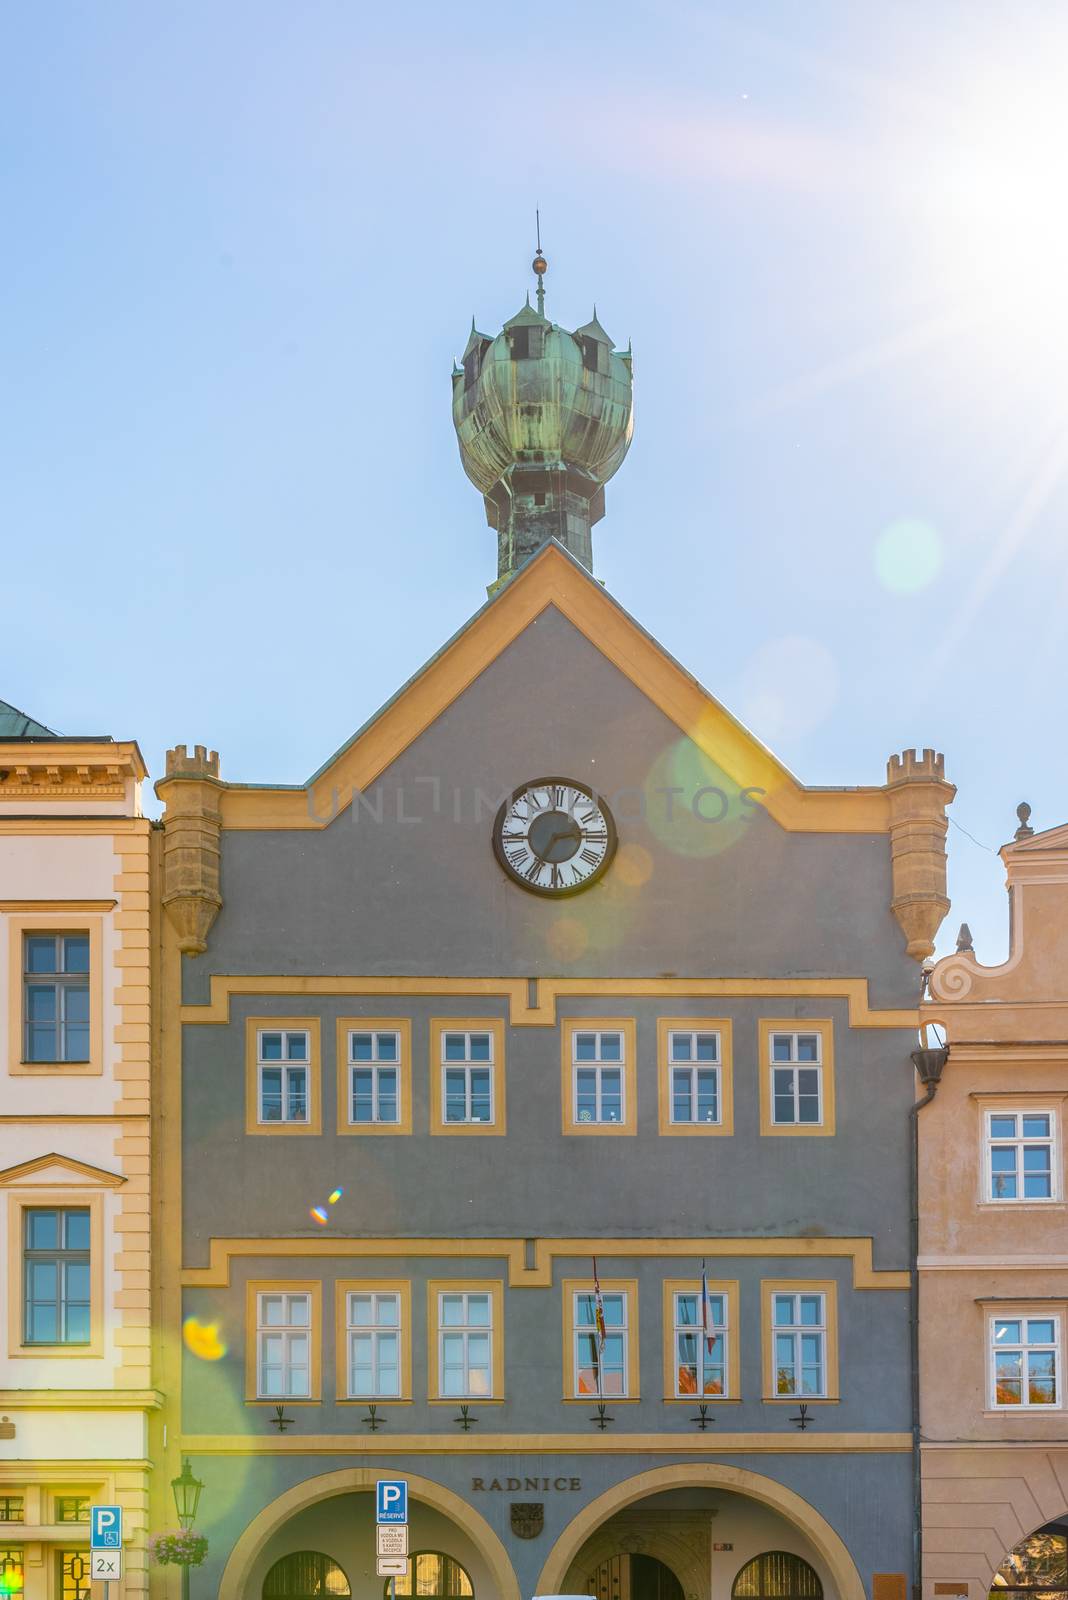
(633, 865)
(908, 555)
(202, 1340)
(319, 1214)
(335, 1196)
(567, 939)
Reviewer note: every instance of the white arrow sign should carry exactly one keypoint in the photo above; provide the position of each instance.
(391, 1566)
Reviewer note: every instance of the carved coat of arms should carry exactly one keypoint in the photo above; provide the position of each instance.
(528, 1518)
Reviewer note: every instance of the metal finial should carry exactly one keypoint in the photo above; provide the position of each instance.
(1024, 831)
(964, 941)
(540, 266)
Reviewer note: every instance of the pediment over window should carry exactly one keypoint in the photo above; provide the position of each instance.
(58, 1171)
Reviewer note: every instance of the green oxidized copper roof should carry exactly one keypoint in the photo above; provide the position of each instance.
(527, 317)
(593, 330)
(15, 724)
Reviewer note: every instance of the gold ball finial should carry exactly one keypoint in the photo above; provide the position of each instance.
(540, 264)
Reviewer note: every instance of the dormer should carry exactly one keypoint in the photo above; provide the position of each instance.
(595, 345)
(525, 333)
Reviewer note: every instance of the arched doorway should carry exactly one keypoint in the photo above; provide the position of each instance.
(777, 1575)
(1037, 1568)
(635, 1577)
(431, 1576)
(305, 1575)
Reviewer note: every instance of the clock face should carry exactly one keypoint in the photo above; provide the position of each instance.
(554, 837)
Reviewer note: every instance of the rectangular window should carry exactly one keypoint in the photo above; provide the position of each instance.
(374, 1345)
(799, 1329)
(695, 1091)
(12, 1509)
(374, 1077)
(465, 1345)
(601, 1368)
(1025, 1357)
(700, 1344)
(283, 1346)
(797, 1078)
(599, 1088)
(72, 1575)
(1021, 1155)
(56, 1259)
(72, 1508)
(283, 1059)
(467, 1075)
(56, 997)
(12, 1570)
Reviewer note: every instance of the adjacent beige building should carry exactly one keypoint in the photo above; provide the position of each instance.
(76, 1389)
(993, 1249)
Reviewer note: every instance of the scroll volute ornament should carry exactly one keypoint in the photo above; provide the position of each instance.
(192, 824)
(918, 794)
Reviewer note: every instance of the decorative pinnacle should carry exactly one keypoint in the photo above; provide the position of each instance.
(964, 941)
(1024, 831)
(540, 267)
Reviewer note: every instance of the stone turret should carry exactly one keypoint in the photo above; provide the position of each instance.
(544, 417)
(919, 794)
(191, 827)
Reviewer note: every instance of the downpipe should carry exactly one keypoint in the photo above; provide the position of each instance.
(929, 1065)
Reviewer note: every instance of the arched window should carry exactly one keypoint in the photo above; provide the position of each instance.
(432, 1576)
(305, 1575)
(777, 1575)
(1037, 1566)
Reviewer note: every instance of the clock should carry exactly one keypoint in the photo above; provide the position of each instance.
(554, 836)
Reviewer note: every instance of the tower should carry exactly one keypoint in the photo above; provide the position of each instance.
(544, 418)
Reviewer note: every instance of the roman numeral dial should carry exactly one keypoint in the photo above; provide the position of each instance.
(554, 836)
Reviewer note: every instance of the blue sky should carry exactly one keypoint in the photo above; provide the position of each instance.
(243, 245)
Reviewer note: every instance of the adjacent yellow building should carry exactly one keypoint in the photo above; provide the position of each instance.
(993, 1250)
(76, 1389)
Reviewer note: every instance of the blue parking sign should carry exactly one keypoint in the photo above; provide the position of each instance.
(392, 1500)
(105, 1527)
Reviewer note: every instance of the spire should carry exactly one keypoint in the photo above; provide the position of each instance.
(541, 267)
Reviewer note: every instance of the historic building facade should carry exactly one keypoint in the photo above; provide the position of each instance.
(993, 1262)
(76, 1389)
(540, 1073)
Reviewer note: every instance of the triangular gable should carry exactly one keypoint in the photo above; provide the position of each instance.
(553, 578)
(52, 1170)
(1050, 840)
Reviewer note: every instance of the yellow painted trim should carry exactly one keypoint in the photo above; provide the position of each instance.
(550, 580)
(309, 1025)
(797, 1130)
(398, 1025)
(82, 1399)
(724, 1286)
(847, 1583)
(65, 920)
(665, 1026)
(76, 826)
(58, 905)
(20, 1200)
(513, 991)
(258, 1286)
(223, 1251)
(494, 1287)
(569, 1026)
(342, 1289)
(494, 1026)
(571, 1444)
(236, 1581)
(827, 1287)
(79, 1170)
(625, 1286)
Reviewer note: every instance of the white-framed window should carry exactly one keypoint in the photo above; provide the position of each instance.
(799, 1329)
(1025, 1361)
(598, 1076)
(1021, 1155)
(282, 1057)
(465, 1344)
(600, 1373)
(283, 1346)
(796, 1069)
(467, 1076)
(700, 1353)
(374, 1076)
(695, 1081)
(373, 1322)
(55, 997)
